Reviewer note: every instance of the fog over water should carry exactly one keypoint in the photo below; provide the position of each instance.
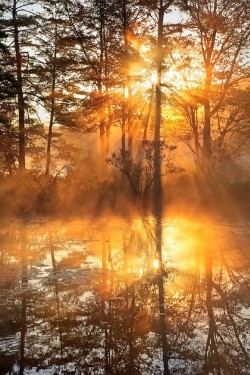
(124, 187)
(92, 296)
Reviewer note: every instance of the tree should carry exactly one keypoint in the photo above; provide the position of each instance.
(8, 91)
(231, 126)
(53, 68)
(222, 29)
(141, 172)
(163, 7)
(85, 22)
(20, 95)
(49, 67)
(19, 24)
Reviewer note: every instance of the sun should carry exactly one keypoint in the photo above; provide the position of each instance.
(154, 77)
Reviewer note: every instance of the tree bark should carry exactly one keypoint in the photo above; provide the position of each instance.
(130, 123)
(52, 107)
(100, 86)
(126, 90)
(157, 132)
(207, 151)
(158, 189)
(20, 96)
(124, 122)
(107, 94)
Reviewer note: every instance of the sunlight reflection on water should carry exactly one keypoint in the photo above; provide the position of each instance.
(86, 292)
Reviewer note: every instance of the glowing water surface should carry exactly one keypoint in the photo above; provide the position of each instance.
(82, 296)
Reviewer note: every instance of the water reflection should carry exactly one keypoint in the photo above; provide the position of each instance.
(96, 297)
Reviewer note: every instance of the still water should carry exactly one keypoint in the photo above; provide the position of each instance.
(95, 297)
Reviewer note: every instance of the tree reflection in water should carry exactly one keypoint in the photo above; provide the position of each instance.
(78, 298)
(24, 297)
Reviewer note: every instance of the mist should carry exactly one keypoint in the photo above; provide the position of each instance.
(124, 187)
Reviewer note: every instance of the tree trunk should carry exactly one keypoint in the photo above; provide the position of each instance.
(207, 114)
(102, 126)
(108, 126)
(20, 96)
(100, 86)
(195, 129)
(126, 89)
(130, 124)
(124, 122)
(157, 134)
(158, 189)
(52, 107)
(107, 95)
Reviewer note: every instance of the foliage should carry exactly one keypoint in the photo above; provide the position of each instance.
(87, 65)
(140, 172)
(8, 91)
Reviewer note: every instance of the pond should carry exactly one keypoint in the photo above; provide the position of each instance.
(100, 296)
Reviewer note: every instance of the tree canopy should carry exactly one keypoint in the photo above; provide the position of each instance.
(132, 71)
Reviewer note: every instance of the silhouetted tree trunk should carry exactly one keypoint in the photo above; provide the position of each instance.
(20, 96)
(107, 93)
(101, 98)
(207, 117)
(125, 86)
(52, 104)
(157, 133)
(158, 184)
(130, 123)
(124, 122)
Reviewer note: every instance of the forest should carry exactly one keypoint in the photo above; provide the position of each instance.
(124, 187)
(98, 98)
